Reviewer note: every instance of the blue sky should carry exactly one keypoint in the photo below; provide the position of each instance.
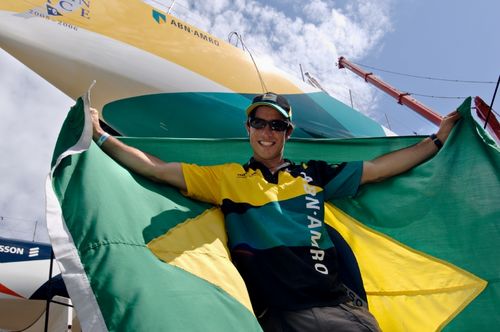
(448, 39)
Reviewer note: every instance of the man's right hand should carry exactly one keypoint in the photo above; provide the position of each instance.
(137, 160)
(97, 131)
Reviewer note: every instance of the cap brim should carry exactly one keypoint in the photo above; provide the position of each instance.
(263, 103)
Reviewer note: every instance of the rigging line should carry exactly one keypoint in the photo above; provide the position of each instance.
(263, 85)
(161, 3)
(184, 13)
(179, 3)
(497, 114)
(171, 6)
(183, 4)
(425, 77)
(491, 104)
(230, 37)
(437, 97)
(314, 82)
(172, 3)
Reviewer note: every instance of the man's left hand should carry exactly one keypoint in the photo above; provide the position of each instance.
(447, 125)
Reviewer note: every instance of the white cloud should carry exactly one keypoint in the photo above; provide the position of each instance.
(315, 10)
(315, 39)
(31, 113)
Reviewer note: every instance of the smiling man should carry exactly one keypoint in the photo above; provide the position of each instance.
(269, 127)
(274, 215)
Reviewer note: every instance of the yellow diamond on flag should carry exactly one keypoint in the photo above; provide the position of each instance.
(407, 290)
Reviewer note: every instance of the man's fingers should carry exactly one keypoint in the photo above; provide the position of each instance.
(453, 116)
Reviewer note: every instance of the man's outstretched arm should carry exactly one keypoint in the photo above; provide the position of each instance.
(137, 160)
(400, 161)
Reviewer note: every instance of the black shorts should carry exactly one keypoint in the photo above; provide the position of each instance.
(344, 317)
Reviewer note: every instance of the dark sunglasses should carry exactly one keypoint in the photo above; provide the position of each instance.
(276, 125)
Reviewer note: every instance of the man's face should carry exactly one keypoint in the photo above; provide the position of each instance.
(267, 144)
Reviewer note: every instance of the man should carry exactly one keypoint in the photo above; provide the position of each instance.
(274, 211)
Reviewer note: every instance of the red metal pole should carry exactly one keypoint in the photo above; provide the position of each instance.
(483, 110)
(403, 98)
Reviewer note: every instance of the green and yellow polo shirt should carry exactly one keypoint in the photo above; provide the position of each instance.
(277, 237)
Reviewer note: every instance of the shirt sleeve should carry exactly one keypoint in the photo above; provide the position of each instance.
(346, 181)
(203, 183)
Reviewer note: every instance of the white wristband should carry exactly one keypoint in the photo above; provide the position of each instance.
(102, 139)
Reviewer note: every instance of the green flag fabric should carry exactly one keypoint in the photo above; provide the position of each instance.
(139, 256)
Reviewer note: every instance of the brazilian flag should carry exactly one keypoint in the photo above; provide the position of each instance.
(139, 256)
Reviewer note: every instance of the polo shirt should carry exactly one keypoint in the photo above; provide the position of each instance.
(275, 224)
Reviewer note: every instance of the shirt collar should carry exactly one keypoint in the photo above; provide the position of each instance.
(254, 164)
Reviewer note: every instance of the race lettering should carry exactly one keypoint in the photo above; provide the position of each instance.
(313, 222)
(313, 203)
(306, 177)
(315, 236)
(317, 255)
(321, 268)
(311, 190)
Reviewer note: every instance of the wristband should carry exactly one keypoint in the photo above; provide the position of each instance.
(436, 141)
(102, 139)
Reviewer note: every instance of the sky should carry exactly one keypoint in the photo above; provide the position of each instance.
(450, 39)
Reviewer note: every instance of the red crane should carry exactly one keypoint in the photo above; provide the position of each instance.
(404, 98)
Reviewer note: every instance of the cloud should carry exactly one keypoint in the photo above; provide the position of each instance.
(292, 33)
(32, 112)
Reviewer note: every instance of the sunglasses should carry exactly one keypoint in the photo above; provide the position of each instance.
(275, 125)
